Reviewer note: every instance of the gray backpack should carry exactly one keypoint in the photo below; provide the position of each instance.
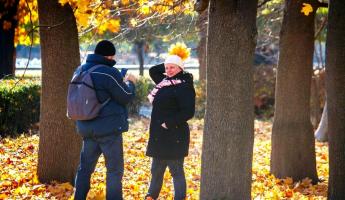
(82, 102)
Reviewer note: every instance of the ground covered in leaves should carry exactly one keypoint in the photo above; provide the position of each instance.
(18, 163)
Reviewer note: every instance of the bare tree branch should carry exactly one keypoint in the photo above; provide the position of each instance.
(263, 3)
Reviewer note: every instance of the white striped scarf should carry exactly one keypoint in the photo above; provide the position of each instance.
(165, 82)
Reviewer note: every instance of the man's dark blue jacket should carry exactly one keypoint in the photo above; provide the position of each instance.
(108, 83)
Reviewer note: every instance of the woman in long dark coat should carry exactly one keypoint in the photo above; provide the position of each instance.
(173, 101)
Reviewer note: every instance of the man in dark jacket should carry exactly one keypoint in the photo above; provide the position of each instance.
(173, 104)
(103, 134)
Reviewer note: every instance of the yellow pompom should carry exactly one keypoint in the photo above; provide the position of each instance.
(179, 49)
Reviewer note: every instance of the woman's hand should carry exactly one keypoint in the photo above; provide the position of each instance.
(164, 125)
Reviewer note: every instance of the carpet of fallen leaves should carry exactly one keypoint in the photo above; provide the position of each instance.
(18, 163)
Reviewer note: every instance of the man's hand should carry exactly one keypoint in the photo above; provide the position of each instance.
(131, 77)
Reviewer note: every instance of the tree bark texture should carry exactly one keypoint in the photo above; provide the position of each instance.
(315, 105)
(59, 144)
(293, 144)
(201, 50)
(227, 148)
(8, 11)
(335, 85)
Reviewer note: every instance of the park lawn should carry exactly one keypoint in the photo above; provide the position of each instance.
(18, 160)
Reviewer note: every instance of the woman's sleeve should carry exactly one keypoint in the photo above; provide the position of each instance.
(156, 73)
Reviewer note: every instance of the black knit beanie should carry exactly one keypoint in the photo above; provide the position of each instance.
(105, 48)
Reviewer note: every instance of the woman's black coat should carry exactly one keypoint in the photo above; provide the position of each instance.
(172, 105)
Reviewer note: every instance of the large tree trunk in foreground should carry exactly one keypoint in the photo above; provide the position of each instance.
(335, 84)
(8, 24)
(293, 144)
(59, 145)
(315, 113)
(227, 149)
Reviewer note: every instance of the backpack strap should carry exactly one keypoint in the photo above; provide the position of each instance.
(80, 72)
(94, 68)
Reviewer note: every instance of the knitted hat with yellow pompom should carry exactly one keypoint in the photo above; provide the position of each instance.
(177, 54)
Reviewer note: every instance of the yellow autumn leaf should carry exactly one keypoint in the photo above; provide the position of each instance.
(108, 3)
(145, 9)
(63, 2)
(34, 16)
(35, 180)
(161, 8)
(21, 190)
(114, 25)
(102, 28)
(142, 2)
(306, 9)
(189, 12)
(125, 2)
(265, 11)
(83, 19)
(27, 19)
(288, 181)
(66, 186)
(19, 179)
(133, 22)
(27, 41)
(83, 5)
(36, 40)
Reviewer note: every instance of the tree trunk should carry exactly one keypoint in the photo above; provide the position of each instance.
(139, 49)
(201, 50)
(227, 149)
(293, 144)
(59, 145)
(335, 84)
(315, 102)
(7, 49)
